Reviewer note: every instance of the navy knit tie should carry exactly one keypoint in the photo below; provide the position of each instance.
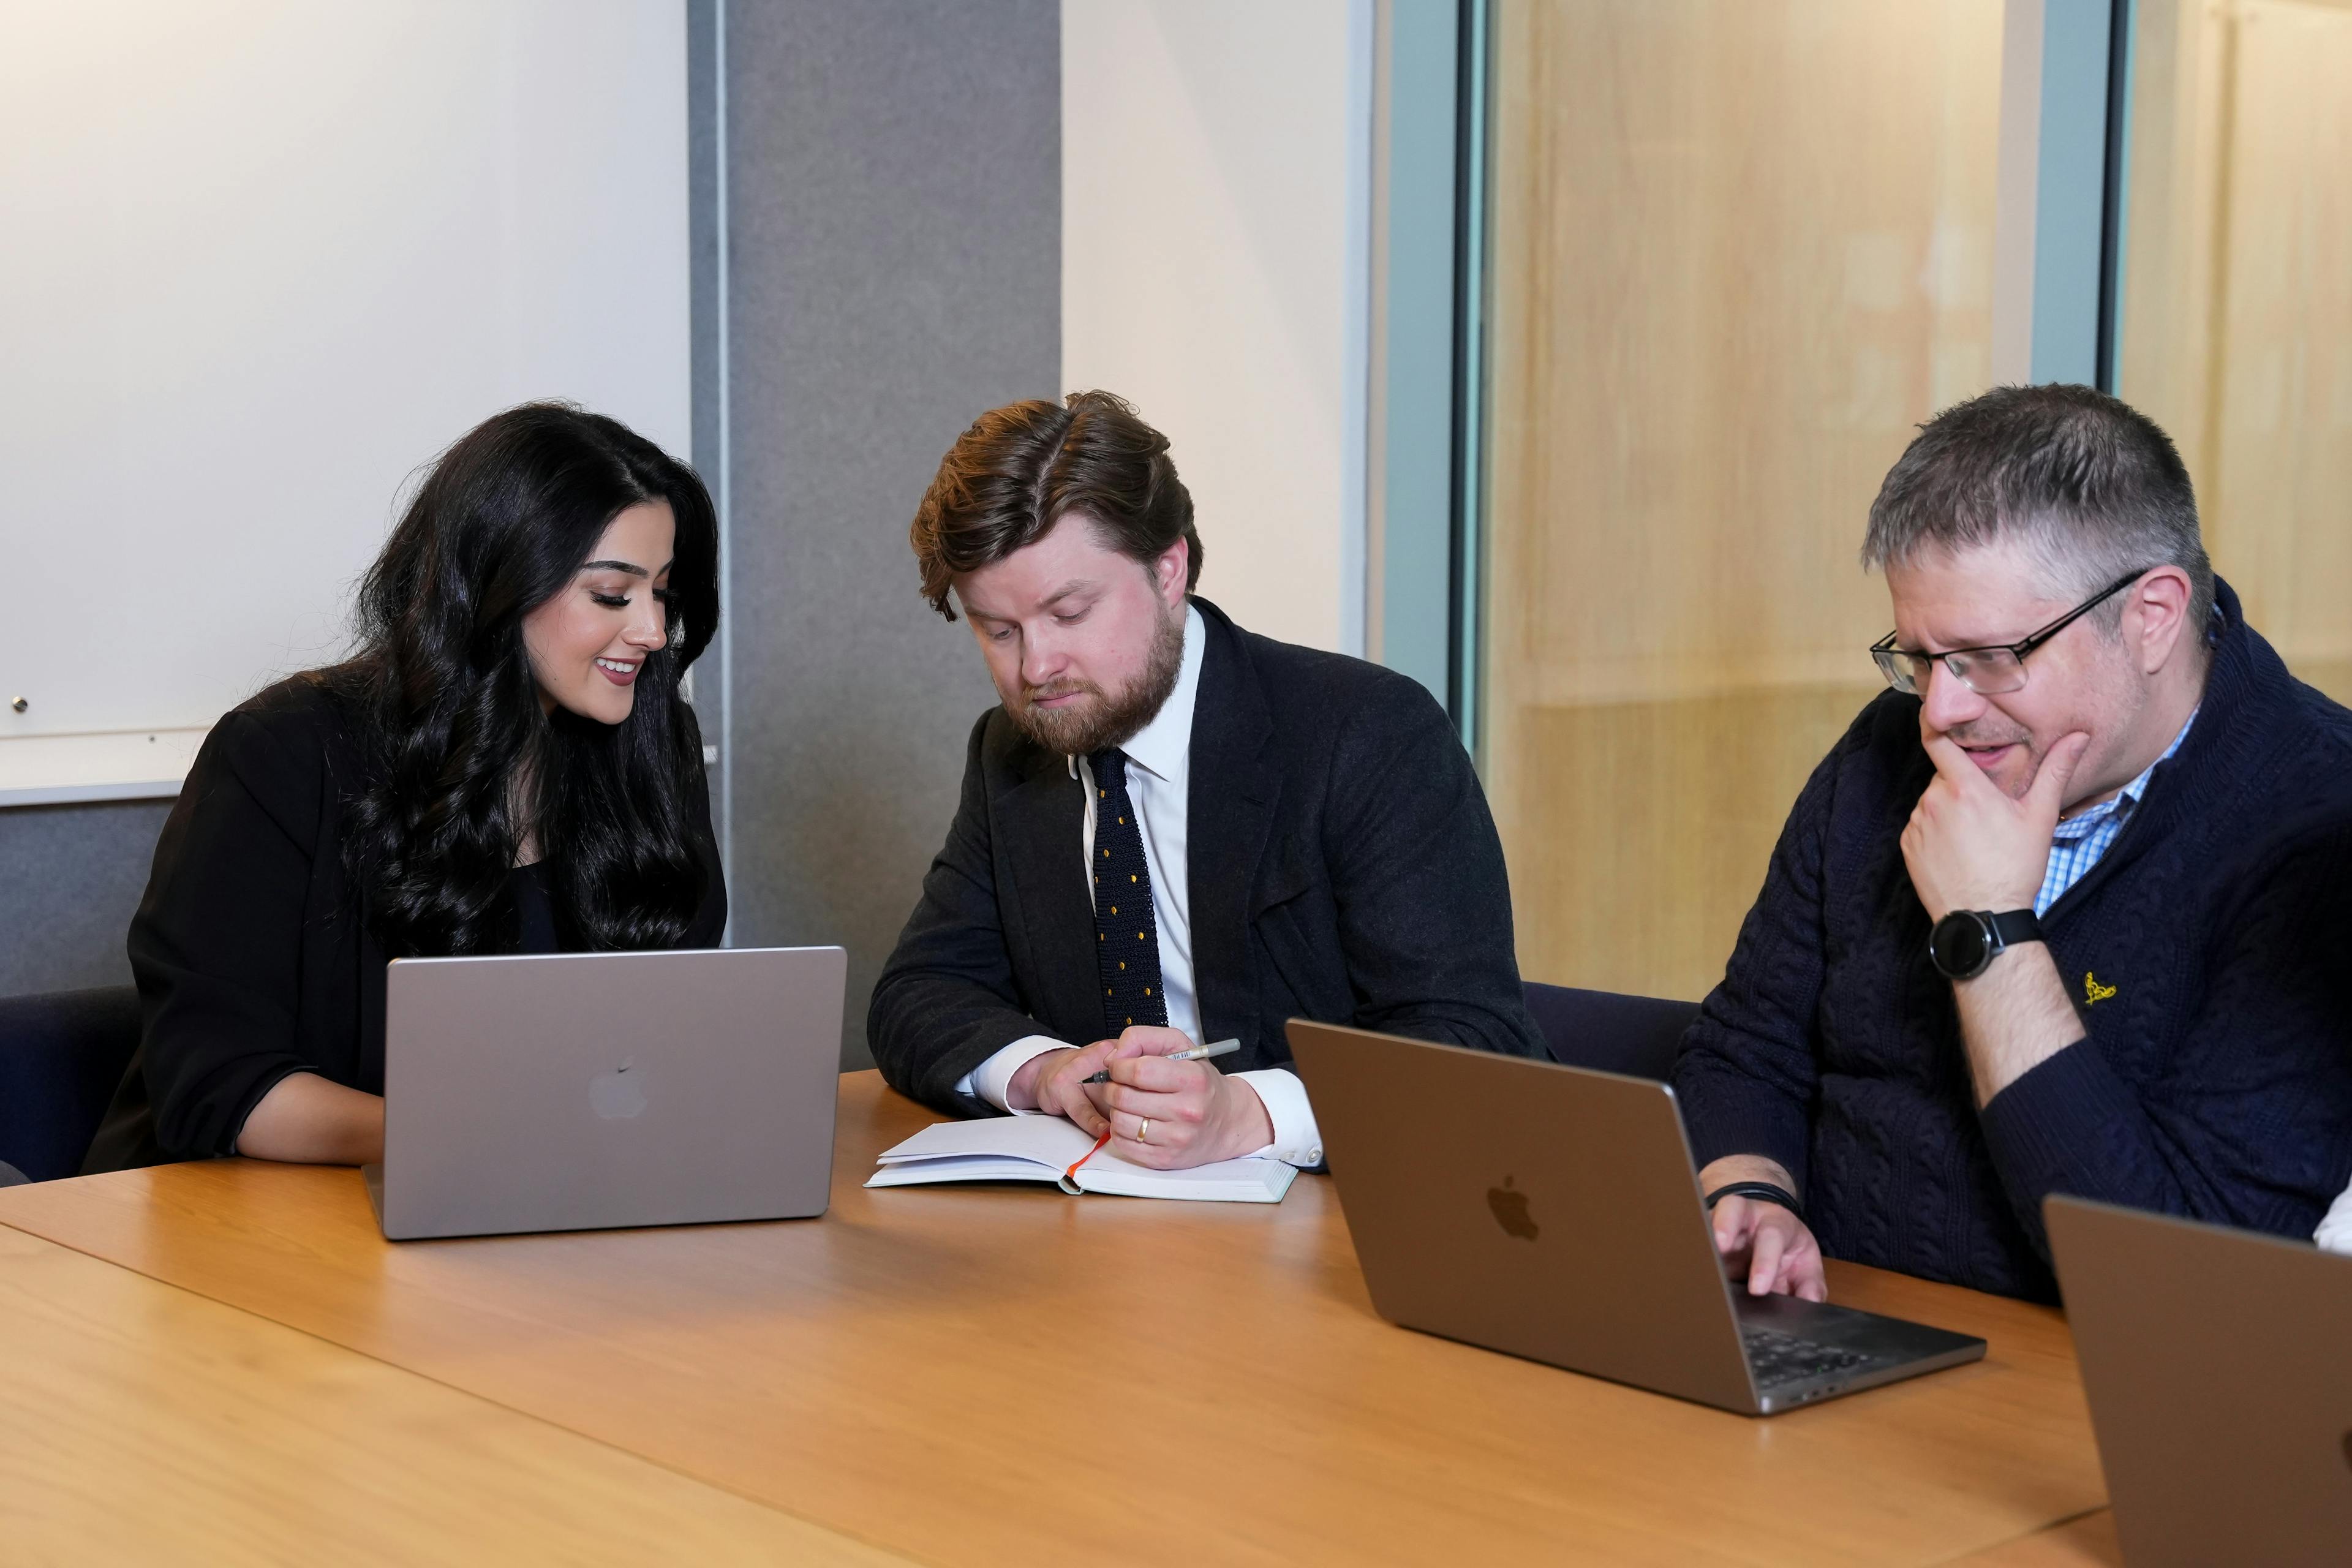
(1127, 939)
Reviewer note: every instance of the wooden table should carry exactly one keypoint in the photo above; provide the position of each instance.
(1011, 1375)
(2085, 1542)
(143, 1424)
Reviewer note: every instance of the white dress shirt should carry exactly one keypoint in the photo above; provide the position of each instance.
(2334, 1232)
(1158, 786)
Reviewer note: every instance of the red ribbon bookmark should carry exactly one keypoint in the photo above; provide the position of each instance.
(1070, 1175)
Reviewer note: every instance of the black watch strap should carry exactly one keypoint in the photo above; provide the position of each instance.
(2012, 926)
(1766, 1191)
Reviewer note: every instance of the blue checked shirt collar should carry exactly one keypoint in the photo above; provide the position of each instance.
(2081, 841)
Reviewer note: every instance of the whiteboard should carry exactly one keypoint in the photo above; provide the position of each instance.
(260, 260)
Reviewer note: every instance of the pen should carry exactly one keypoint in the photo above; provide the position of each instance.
(1192, 1054)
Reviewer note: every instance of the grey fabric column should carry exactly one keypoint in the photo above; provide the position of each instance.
(893, 233)
(70, 876)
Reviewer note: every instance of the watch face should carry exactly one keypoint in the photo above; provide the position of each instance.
(1959, 945)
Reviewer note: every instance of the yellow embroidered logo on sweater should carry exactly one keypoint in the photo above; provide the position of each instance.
(2093, 991)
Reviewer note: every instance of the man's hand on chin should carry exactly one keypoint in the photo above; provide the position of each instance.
(1969, 845)
(1171, 1115)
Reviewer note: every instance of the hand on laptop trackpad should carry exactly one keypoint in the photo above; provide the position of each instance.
(1767, 1249)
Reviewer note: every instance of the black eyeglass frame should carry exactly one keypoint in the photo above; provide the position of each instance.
(1883, 652)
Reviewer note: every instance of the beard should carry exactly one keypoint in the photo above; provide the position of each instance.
(1098, 719)
(2016, 776)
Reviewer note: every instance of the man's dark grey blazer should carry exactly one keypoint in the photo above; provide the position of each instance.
(1343, 867)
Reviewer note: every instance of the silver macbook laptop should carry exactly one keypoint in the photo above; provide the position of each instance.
(2218, 1365)
(580, 1091)
(1553, 1213)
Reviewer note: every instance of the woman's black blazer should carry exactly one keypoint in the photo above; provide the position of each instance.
(251, 954)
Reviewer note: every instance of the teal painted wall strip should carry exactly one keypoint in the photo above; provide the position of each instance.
(1417, 436)
(2070, 192)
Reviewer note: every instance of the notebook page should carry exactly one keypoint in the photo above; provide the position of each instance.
(1050, 1141)
(1040, 1148)
(960, 1168)
(1227, 1181)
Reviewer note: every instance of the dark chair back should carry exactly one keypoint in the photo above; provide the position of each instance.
(1633, 1034)
(62, 1055)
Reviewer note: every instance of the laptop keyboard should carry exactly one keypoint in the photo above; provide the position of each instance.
(1778, 1358)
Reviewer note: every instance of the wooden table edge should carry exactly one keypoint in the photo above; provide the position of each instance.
(881, 1549)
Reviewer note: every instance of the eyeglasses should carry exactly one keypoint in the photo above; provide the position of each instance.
(1986, 671)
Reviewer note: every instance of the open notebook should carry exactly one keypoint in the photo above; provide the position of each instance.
(1044, 1148)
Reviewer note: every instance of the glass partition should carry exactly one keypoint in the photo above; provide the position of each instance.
(1739, 249)
(2236, 331)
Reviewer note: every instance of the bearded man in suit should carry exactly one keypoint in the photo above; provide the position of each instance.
(1171, 830)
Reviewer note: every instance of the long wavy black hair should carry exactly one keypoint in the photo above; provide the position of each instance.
(464, 761)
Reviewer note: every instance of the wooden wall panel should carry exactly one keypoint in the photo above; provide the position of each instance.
(1741, 249)
(2238, 298)
(1648, 897)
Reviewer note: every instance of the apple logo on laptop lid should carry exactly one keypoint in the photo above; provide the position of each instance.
(1510, 1206)
(620, 1094)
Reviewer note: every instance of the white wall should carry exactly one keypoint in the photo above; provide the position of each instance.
(262, 259)
(1215, 179)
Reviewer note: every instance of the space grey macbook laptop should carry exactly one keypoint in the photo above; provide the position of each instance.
(2218, 1365)
(1553, 1213)
(580, 1091)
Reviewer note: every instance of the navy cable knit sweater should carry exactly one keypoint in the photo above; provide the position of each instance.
(2215, 1077)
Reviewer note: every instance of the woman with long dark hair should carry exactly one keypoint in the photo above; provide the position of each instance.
(507, 766)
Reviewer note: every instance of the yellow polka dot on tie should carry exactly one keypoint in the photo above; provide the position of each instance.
(1138, 936)
(1104, 792)
(1107, 856)
(1122, 822)
(1106, 991)
(1130, 1020)
(1098, 936)
(1130, 879)
(1147, 991)
(1122, 963)
(1114, 909)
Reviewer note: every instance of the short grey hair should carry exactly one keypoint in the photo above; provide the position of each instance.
(2089, 483)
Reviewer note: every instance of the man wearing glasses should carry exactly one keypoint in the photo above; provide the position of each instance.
(2065, 907)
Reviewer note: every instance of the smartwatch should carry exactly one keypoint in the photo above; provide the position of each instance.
(1965, 941)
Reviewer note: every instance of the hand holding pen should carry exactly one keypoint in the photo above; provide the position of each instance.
(1169, 1107)
(1192, 1054)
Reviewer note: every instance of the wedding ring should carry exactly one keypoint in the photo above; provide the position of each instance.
(1143, 1133)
